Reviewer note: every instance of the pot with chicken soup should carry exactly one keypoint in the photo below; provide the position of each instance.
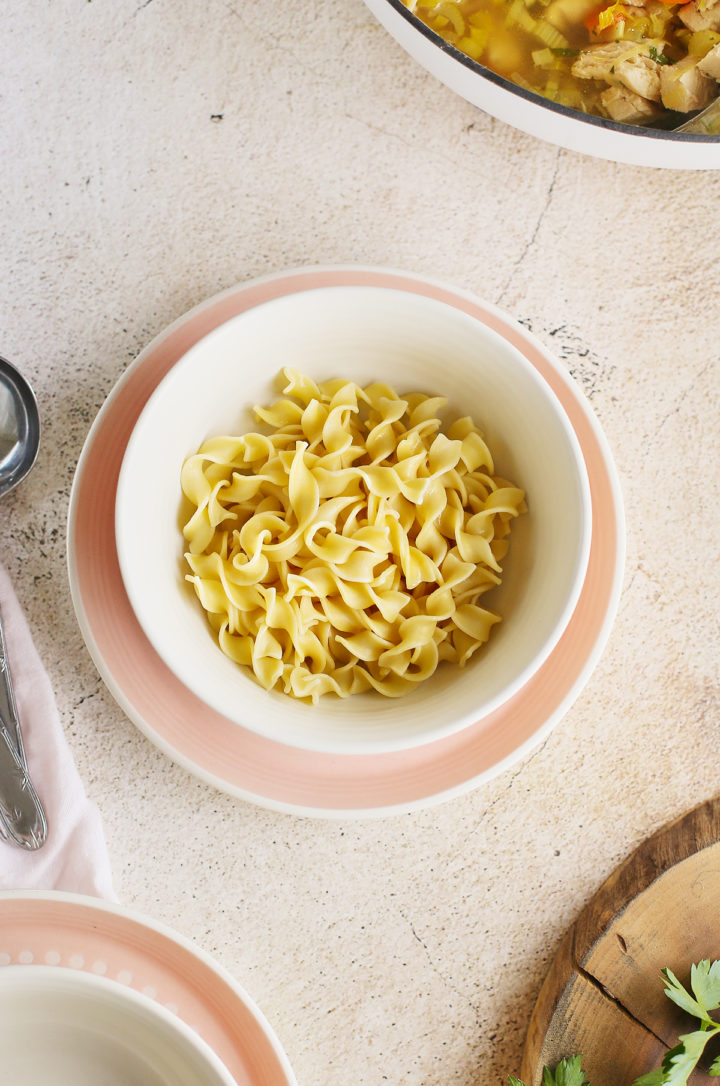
(635, 61)
(614, 78)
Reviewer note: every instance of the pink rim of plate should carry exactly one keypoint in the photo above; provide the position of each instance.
(259, 770)
(76, 932)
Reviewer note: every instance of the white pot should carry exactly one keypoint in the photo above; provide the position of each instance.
(539, 116)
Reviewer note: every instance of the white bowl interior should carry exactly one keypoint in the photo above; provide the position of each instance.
(68, 1028)
(414, 344)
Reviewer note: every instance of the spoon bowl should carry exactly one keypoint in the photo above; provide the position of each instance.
(706, 122)
(19, 427)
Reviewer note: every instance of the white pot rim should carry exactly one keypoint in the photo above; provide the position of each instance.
(538, 116)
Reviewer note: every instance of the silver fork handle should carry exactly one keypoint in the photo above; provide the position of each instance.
(22, 819)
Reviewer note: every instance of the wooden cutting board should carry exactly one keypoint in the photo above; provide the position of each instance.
(603, 997)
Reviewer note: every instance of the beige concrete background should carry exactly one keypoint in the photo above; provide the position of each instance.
(156, 152)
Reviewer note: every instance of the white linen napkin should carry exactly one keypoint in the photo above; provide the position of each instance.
(74, 857)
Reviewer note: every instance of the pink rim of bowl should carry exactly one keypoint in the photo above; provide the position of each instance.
(77, 932)
(260, 770)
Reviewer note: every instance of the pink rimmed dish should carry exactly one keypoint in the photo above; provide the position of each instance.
(412, 343)
(71, 932)
(267, 772)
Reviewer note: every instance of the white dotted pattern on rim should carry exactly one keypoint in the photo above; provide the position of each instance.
(98, 967)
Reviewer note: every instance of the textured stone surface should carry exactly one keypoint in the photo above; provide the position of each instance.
(156, 152)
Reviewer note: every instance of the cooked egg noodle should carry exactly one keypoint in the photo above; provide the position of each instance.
(347, 549)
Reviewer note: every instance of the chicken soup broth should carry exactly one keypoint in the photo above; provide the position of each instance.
(633, 61)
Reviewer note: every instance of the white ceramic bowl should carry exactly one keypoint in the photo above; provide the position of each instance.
(414, 344)
(539, 116)
(68, 1028)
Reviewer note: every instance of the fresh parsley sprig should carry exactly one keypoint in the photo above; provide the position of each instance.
(679, 1062)
(568, 1072)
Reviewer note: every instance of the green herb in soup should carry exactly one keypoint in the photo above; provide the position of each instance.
(634, 61)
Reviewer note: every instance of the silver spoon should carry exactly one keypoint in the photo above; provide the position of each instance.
(22, 819)
(706, 122)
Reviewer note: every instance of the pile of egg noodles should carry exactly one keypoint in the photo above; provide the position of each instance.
(347, 548)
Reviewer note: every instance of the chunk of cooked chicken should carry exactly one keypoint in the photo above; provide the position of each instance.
(623, 105)
(698, 16)
(710, 63)
(684, 87)
(641, 75)
(599, 61)
(622, 62)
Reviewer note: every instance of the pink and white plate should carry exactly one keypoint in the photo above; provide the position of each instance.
(261, 770)
(73, 932)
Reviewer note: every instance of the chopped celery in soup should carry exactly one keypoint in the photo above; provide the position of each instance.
(635, 61)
